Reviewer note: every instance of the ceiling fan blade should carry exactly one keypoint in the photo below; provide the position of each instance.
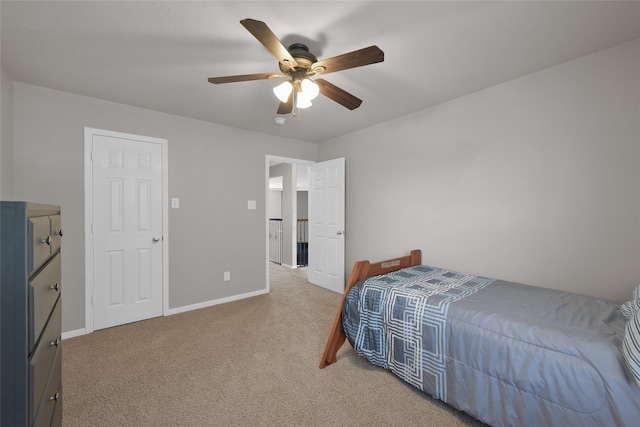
(357, 58)
(261, 31)
(244, 78)
(340, 96)
(286, 107)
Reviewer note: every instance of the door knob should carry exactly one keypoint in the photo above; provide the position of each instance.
(156, 239)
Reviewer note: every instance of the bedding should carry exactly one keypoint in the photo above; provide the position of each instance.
(506, 353)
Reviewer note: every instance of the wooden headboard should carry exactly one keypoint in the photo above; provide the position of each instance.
(362, 270)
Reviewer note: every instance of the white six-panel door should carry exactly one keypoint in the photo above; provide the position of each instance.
(326, 224)
(127, 230)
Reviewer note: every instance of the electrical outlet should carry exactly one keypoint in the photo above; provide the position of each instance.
(227, 276)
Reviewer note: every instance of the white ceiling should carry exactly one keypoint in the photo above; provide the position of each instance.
(159, 54)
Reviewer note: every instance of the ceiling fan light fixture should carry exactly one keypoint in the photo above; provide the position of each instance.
(310, 89)
(302, 100)
(282, 91)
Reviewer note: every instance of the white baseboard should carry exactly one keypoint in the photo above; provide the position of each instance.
(215, 302)
(293, 267)
(183, 309)
(71, 334)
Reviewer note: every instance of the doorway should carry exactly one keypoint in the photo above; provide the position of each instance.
(324, 183)
(287, 185)
(288, 214)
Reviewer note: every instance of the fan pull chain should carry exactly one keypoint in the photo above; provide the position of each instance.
(295, 103)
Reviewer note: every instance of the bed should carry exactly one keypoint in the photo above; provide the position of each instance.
(506, 353)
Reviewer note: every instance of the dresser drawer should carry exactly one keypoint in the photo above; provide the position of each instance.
(52, 396)
(41, 362)
(44, 290)
(56, 233)
(56, 420)
(39, 243)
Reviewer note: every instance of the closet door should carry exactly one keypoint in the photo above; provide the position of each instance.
(127, 230)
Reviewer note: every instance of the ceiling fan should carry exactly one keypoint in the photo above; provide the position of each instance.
(297, 64)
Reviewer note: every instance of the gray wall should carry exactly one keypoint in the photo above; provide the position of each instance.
(6, 135)
(275, 204)
(213, 169)
(303, 204)
(289, 209)
(535, 180)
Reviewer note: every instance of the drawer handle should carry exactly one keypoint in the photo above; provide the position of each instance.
(55, 287)
(56, 342)
(47, 240)
(55, 396)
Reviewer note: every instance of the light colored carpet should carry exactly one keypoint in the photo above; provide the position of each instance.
(252, 362)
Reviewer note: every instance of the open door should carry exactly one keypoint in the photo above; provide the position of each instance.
(326, 224)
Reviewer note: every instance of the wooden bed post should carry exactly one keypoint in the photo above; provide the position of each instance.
(361, 270)
(337, 336)
(416, 257)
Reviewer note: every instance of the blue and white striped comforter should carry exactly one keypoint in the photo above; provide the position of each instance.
(506, 353)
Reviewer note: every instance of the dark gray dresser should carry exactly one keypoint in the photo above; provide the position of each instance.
(30, 315)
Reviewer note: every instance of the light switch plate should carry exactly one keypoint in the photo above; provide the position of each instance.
(251, 204)
(175, 203)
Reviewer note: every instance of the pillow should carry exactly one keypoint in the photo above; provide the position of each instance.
(631, 307)
(631, 346)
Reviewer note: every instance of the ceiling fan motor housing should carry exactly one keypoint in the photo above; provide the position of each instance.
(303, 57)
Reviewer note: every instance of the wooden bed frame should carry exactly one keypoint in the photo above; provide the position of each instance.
(362, 270)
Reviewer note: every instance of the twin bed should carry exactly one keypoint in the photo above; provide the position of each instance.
(505, 353)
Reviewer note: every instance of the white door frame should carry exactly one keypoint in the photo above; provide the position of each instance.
(88, 217)
(268, 159)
